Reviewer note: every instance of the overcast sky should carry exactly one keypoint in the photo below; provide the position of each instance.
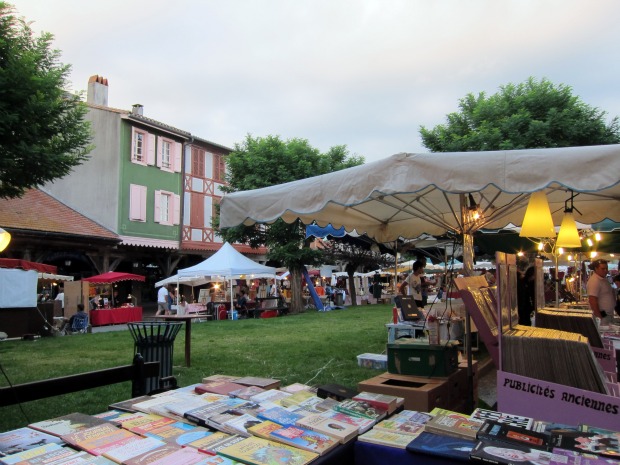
(361, 73)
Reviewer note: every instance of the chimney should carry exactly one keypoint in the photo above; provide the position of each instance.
(97, 91)
(137, 109)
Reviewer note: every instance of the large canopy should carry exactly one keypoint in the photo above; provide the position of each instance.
(113, 277)
(229, 263)
(406, 195)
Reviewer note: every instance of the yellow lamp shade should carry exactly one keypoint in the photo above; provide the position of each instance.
(569, 235)
(5, 238)
(537, 221)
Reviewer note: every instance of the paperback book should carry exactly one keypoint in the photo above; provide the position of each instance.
(504, 432)
(128, 404)
(146, 423)
(297, 398)
(151, 456)
(184, 456)
(246, 392)
(400, 426)
(51, 456)
(217, 378)
(271, 395)
(296, 387)
(514, 454)
(456, 425)
(132, 449)
(265, 383)
(218, 440)
(101, 438)
(279, 415)
(201, 415)
(414, 416)
(67, 424)
(362, 424)
(179, 433)
(379, 401)
(342, 431)
(448, 447)
(386, 438)
(240, 424)
(19, 440)
(303, 438)
(605, 443)
(481, 415)
(30, 453)
(571, 457)
(223, 387)
(259, 451)
(360, 409)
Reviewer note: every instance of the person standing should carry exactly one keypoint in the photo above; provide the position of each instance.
(601, 296)
(415, 283)
(61, 296)
(162, 301)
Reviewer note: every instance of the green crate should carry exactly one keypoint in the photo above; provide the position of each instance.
(422, 359)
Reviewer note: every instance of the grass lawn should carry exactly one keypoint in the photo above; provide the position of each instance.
(313, 348)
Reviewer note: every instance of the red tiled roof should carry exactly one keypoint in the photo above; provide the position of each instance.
(38, 211)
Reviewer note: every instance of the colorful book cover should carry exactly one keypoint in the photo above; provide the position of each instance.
(67, 424)
(505, 432)
(99, 439)
(400, 427)
(132, 449)
(297, 398)
(414, 416)
(279, 415)
(204, 444)
(52, 456)
(453, 425)
(360, 409)
(200, 415)
(240, 424)
(362, 424)
(21, 439)
(595, 441)
(385, 438)
(503, 454)
(30, 453)
(147, 423)
(343, 432)
(258, 451)
(183, 456)
(87, 459)
(296, 387)
(571, 457)
(264, 429)
(481, 415)
(303, 438)
(271, 395)
(179, 433)
(379, 401)
(454, 449)
(246, 392)
(151, 456)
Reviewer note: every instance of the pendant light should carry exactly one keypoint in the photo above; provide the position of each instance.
(537, 221)
(5, 238)
(569, 235)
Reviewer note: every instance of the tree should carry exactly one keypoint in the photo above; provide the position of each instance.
(262, 162)
(528, 115)
(43, 134)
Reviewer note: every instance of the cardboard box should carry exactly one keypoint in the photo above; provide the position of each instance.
(422, 359)
(422, 393)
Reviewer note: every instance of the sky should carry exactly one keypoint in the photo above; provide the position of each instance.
(361, 73)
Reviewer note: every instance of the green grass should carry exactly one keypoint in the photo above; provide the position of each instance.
(313, 348)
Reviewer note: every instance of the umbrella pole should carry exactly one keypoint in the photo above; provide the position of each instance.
(468, 260)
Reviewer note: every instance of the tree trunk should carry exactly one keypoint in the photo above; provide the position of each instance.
(352, 291)
(297, 301)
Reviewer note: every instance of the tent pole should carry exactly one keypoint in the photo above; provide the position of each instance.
(468, 259)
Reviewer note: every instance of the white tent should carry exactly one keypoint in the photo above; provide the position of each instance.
(229, 264)
(406, 195)
(188, 280)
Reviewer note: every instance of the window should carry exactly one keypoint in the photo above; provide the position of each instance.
(137, 202)
(219, 167)
(142, 147)
(165, 154)
(169, 154)
(167, 208)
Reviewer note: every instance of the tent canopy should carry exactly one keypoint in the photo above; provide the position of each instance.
(406, 195)
(229, 263)
(114, 277)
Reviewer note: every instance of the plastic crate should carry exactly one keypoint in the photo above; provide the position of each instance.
(374, 361)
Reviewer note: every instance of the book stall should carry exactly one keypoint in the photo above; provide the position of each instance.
(104, 308)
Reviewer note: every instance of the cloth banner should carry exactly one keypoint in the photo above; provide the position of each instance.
(18, 288)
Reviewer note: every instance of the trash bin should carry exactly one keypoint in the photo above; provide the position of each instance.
(339, 299)
(154, 340)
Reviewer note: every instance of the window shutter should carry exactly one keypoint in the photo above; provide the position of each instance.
(150, 149)
(157, 206)
(178, 152)
(159, 151)
(137, 202)
(176, 209)
(133, 143)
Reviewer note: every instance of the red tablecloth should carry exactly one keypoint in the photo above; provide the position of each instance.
(114, 316)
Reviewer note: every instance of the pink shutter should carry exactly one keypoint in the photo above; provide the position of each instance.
(178, 156)
(133, 143)
(150, 149)
(159, 146)
(137, 202)
(176, 212)
(157, 207)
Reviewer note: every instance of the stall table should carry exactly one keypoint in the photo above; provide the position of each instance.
(115, 316)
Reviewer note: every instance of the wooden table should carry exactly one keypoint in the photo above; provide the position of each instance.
(188, 331)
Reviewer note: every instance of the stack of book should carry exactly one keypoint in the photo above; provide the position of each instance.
(398, 430)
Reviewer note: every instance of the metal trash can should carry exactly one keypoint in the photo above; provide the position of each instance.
(338, 299)
(154, 340)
